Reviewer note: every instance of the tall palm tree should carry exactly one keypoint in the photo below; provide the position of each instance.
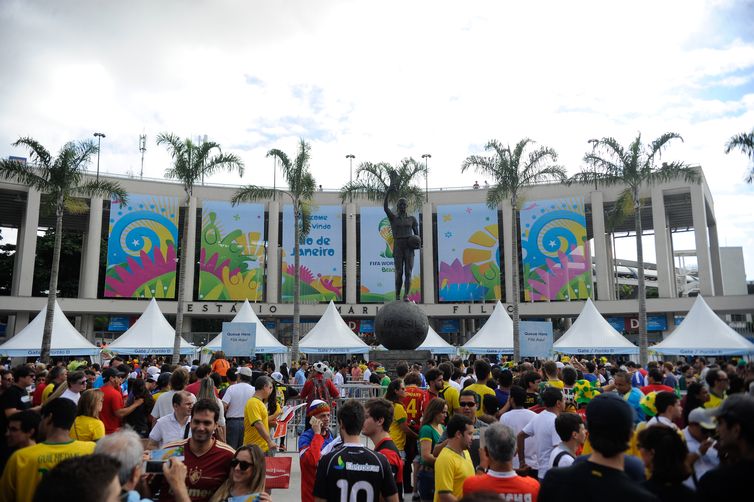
(62, 178)
(301, 187)
(744, 142)
(373, 180)
(633, 167)
(511, 171)
(191, 163)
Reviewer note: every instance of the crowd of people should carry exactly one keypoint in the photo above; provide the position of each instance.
(567, 429)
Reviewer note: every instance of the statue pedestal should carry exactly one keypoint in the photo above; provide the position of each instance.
(390, 358)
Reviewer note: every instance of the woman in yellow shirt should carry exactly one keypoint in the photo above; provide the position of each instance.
(88, 426)
(400, 432)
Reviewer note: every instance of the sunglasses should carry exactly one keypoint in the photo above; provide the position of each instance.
(241, 464)
(81, 382)
(467, 404)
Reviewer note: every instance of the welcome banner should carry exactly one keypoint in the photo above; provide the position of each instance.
(468, 253)
(555, 252)
(141, 247)
(321, 256)
(376, 259)
(231, 258)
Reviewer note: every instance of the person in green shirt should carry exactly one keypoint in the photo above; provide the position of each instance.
(384, 379)
(430, 432)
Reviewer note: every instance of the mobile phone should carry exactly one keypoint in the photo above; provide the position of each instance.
(159, 457)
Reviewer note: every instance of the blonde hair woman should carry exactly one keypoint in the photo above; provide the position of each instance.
(247, 473)
(88, 426)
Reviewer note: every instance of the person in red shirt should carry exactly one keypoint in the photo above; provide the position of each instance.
(655, 383)
(377, 420)
(500, 478)
(415, 401)
(201, 372)
(36, 397)
(318, 387)
(112, 403)
(310, 445)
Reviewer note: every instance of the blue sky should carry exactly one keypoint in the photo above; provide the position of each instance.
(385, 80)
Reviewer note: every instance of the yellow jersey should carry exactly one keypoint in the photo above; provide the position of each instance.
(481, 390)
(87, 428)
(255, 411)
(396, 433)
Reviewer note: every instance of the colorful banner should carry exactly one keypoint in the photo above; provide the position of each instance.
(376, 260)
(141, 247)
(231, 261)
(321, 255)
(554, 250)
(468, 253)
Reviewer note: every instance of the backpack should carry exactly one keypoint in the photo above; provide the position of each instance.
(560, 455)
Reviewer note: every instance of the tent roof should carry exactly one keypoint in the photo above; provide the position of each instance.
(150, 334)
(331, 335)
(590, 333)
(433, 343)
(702, 332)
(66, 341)
(265, 342)
(496, 336)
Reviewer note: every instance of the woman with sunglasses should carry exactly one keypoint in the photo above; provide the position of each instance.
(88, 426)
(246, 479)
(430, 432)
(400, 432)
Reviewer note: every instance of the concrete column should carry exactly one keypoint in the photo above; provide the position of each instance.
(507, 250)
(188, 283)
(428, 255)
(91, 251)
(703, 259)
(351, 253)
(273, 256)
(662, 246)
(717, 269)
(603, 268)
(26, 252)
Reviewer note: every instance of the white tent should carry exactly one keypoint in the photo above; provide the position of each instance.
(495, 337)
(703, 333)
(331, 335)
(590, 333)
(266, 343)
(150, 334)
(433, 343)
(65, 340)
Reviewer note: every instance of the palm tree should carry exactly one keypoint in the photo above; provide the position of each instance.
(301, 187)
(377, 178)
(62, 178)
(511, 172)
(632, 167)
(191, 163)
(744, 142)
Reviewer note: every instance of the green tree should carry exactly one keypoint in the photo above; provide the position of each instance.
(745, 143)
(62, 178)
(373, 180)
(609, 164)
(301, 187)
(68, 276)
(191, 164)
(511, 171)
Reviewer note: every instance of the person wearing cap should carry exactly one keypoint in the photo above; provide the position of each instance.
(317, 387)
(382, 373)
(703, 455)
(610, 422)
(235, 398)
(735, 429)
(311, 443)
(113, 409)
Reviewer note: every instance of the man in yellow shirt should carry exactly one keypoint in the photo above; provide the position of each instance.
(448, 392)
(453, 465)
(718, 386)
(482, 370)
(27, 465)
(256, 430)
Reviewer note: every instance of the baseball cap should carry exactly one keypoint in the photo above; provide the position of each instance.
(277, 376)
(153, 370)
(701, 417)
(243, 370)
(152, 378)
(559, 365)
(110, 372)
(380, 369)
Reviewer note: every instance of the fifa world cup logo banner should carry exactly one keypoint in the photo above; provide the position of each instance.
(468, 253)
(141, 247)
(554, 250)
(231, 259)
(321, 253)
(376, 260)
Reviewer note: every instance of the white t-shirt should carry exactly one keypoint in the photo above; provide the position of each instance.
(167, 429)
(73, 396)
(565, 460)
(164, 405)
(457, 386)
(236, 396)
(542, 427)
(517, 420)
(704, 463)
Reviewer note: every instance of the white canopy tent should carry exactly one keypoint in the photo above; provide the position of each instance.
(590, 333)
(703, 333)
(150, 334)
(433, 343)
(331, 335)
(495, 337)
(65, 340)
(266, 343)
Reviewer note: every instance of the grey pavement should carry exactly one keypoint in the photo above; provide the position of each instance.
(293, 493)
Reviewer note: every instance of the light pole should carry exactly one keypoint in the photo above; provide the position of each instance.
(142, 149)
(350, 158)
(426, 176)
(99, 137)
